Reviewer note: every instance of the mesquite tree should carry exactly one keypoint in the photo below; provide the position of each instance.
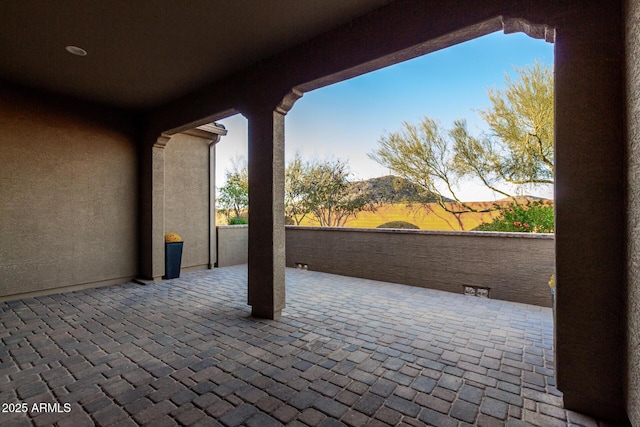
(517, 151)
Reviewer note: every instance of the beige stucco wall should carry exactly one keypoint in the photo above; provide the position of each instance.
(68, 212)
(633, 213)
(516, 267)
(187, 197)
(233, 243)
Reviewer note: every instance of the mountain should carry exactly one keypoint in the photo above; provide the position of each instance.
(394, 189)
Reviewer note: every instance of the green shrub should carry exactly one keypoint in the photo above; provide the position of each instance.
(399, 224)
(534, 217)
(238, 220)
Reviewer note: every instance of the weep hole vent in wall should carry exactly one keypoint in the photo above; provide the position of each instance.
(476, 291)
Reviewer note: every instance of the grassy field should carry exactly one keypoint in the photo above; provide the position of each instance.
(428, 217)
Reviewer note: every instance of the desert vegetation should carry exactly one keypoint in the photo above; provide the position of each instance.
(432, 216)
(516, 153)
(428, 161)
(394, 202)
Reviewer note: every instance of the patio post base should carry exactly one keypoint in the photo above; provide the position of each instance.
(266, 313)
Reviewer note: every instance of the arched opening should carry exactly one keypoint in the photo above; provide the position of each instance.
(585, 169)
(346, 121)
(232, 201)
(183, 181)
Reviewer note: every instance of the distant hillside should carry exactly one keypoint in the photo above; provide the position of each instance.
(394, 189)
(428, 216)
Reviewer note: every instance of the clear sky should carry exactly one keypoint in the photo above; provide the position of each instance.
(345, 120)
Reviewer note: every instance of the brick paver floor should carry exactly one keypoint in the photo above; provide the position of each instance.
(346, 352)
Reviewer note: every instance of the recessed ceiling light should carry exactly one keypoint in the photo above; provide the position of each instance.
(75, 50)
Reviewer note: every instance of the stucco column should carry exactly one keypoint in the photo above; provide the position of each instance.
(151, 232)
(266, 256)
(590, 231)
(266, 252)
(157, 203)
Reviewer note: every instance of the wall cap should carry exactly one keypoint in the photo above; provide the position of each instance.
(545, 236)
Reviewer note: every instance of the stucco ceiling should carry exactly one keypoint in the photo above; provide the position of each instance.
(145, 53)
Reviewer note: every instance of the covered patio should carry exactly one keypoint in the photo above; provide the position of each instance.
(346, 351)
(96, 169)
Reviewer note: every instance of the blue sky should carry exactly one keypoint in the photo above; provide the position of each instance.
(345, 120)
